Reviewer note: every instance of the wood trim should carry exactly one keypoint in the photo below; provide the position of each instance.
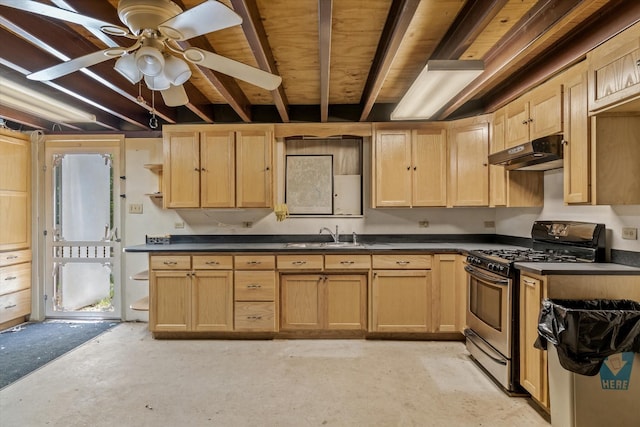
(323, 130)
(325, 11)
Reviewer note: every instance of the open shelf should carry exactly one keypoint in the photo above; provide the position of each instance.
(141, 275)
(156, 168)
(141, 305)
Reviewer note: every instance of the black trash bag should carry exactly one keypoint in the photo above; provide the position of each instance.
(585, 332)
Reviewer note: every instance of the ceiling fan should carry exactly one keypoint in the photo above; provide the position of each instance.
(155, 56)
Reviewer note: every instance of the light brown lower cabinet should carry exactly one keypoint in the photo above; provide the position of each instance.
(255, 307)
(323, 302)
(449, 293)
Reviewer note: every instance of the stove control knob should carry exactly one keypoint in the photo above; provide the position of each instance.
(490, 266)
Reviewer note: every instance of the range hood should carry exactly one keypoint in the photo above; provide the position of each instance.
(538, 155)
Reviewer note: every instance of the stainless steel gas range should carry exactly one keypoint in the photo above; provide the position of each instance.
(492, 303)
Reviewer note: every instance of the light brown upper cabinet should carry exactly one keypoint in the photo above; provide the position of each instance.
(536, 114)
(614, 72)
(409, 166)
(468, 164)
(511, 188)
(218, 166)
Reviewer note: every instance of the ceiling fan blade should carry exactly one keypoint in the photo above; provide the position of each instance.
(233, 68)
(76, 64)
(64, 15)
(202, 19)
(175, 96)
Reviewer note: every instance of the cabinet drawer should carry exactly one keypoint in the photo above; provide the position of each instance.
(15, 257)
(300, 262)
(212, 262)
(255, 285)
(407, 262)
(14, 305)
(255, 262)
(170, 262)
(347, 262)
(15, 278)
(255, 316)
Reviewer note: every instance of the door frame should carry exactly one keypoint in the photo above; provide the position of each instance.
(74, 144)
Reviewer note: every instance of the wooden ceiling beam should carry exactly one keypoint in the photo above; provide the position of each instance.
(472, 20)
(325, 12)
(257, 37)
(30, 120)
(606, 24)
(400, 16)
(514, 45)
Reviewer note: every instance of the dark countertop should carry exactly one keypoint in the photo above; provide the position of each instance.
(551, 269)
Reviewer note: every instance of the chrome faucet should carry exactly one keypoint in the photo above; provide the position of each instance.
(335, 236)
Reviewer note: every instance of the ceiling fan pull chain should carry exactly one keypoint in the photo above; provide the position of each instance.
(153, 121)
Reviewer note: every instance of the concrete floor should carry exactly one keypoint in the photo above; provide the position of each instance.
(125, 378)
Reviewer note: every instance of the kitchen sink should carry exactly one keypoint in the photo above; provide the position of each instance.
(322, 245)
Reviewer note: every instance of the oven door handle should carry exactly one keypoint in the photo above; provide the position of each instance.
(477, 341)
(488, 278)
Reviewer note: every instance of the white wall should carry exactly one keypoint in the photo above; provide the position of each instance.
(517, 222)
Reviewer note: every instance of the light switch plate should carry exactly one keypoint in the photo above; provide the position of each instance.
(135, 208)
(630, 233)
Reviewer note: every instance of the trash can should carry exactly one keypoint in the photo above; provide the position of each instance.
(594, 361)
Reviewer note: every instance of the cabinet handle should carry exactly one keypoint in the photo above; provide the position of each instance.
(203, 170)
(408, 168)
(212, 263)
(254, 317)
(299, 262)
(12, 257)
(347, 262)
(564, 142)
(638, 63)
(170, 262)
(254, 286)
(529, 282)
(268, 168)
(253, 263)
(485, 164)
(10, 278)
(524, 122)
(403, 262)
(7, 307)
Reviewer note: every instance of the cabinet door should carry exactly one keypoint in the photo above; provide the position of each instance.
(469, 171)
(517, 123)
(346, 301)
(449, 296)
(253, 169)
(497, 174)
(401, 301)
(169, 301)
(429, 152)
(300, 302)
(15, 186)
(212, 301)
(533, 363)
(576, 132)
(393, 168)
(545, 108)
(181, 170)
(217, 160)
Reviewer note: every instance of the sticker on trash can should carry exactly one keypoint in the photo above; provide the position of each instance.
(615, 371)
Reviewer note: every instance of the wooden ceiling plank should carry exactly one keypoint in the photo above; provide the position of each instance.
(398, 21)
(325, 12)
(592, 33)
(257, 38)
(544, 15)
(470, 22)
(23, 118)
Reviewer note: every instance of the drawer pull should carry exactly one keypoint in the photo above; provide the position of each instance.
(212, 263)
(253, 263)
(529, 282)
(170, 262)
(10, 278)
(254, 317)
(254, 286)
(298, 262)
(7, 307)
(346, 262)
(12, 257)
(403, 262)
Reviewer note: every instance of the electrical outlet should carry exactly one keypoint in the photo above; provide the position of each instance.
(178, 224)
(247, 224)
(135, 208)
(489, 224)
(630, 233)
(423, 224)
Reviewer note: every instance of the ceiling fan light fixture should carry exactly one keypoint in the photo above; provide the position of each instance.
(159, 82)
(436, 85)
(149, 61)
(176, 70)
(126, 66)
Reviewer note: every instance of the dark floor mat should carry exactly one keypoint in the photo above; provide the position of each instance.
(31, 345)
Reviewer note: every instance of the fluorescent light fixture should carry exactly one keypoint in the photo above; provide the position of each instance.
(437, 84)
(32, 102)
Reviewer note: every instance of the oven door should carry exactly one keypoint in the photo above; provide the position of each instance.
(489, 308)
